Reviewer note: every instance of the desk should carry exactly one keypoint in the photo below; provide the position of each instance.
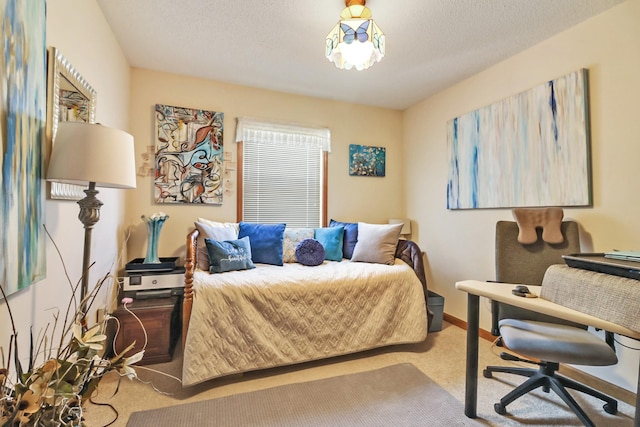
(501, 292)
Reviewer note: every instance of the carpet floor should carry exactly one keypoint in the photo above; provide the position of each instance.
(396, 395)
(441, 357)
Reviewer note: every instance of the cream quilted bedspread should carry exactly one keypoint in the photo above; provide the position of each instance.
(272, 316)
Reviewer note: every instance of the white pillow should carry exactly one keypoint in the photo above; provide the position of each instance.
(212, 230)
(234, 225)
(377, 243)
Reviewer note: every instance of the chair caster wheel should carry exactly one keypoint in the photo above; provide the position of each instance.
(499, 408)
(487, 373)
(611, 408)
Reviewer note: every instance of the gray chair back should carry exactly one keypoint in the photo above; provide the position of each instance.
(526, 264)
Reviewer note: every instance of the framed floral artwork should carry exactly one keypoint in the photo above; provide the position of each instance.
(365, 160)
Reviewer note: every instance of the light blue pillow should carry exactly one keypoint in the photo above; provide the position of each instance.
(229, 255)
(266, 241)
(292, 237)
(350, 236)
(331, 239)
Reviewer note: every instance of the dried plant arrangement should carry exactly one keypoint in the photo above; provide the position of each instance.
(62, 372)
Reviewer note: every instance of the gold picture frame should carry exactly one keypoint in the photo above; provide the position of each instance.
(69, 98)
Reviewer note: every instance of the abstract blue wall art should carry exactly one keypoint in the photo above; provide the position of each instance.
(528, 150)
(23, 94)
(365, 160)
(189, 155)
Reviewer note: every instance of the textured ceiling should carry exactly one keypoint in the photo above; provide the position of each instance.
(279, 44)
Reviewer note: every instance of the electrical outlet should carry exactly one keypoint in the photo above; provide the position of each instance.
(100, 312)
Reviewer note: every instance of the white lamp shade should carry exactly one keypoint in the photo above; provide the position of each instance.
(406, 225)
(89, 152)
(356, 41)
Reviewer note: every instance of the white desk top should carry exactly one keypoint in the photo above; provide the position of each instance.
(502, 292)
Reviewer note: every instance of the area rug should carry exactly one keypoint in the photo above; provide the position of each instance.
(397, 395)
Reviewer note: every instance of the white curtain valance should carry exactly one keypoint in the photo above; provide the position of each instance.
(260, 131)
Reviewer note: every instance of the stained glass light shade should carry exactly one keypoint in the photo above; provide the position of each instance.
(356, 40)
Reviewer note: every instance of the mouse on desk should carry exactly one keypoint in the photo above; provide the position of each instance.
(523, 291)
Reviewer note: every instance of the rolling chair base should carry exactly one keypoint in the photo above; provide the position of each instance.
(546, 378)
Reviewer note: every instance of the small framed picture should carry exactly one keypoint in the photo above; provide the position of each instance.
(365, 160)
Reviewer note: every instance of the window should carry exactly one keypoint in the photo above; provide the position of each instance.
(282, 173)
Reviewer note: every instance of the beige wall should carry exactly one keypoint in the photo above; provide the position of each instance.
(90, 46)
(459, 244)
(368, 199)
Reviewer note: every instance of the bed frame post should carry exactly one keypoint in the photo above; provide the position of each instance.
(190, 263)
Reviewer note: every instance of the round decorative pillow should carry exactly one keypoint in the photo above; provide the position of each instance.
(310, 252)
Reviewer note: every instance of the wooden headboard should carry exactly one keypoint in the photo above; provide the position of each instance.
(190, 263)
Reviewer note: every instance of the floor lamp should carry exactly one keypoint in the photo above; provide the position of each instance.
(97, 156)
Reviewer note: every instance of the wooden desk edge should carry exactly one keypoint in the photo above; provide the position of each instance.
(502, 292)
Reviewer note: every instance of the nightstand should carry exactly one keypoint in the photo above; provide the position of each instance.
(160, 317)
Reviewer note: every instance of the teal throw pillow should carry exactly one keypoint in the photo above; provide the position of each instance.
(350, 236)
(331, 239)
(266, 241)
(229, 255)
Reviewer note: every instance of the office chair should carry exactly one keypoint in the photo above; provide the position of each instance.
(526, 264)
(552, 341)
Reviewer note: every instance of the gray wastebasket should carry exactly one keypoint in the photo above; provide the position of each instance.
(435, 303)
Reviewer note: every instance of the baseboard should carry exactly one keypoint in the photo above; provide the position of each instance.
(617, 392)
(463, 325)
(606, 387)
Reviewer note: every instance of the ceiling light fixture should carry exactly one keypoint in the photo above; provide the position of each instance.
(356, 40)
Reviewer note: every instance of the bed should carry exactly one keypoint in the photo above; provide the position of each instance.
(270, 316)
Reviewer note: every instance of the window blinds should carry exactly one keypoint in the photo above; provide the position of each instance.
(282, 172)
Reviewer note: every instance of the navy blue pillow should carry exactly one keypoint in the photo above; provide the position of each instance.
(350, 236)
(310, 252)
(266, 241)
(229, 255)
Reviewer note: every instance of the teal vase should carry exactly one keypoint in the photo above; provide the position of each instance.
(153, 231)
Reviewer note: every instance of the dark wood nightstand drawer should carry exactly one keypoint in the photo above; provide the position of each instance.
(158, 317)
